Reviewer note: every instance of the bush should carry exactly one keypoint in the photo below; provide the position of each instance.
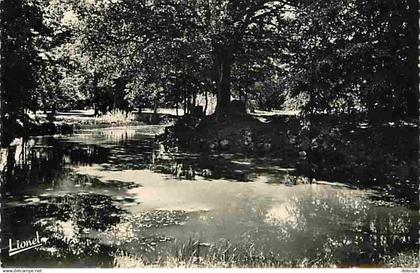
(117, 117)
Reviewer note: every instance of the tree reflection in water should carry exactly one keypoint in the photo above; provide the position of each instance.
(141, 198)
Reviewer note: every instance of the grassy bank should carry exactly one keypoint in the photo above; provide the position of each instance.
(194, 254)
(87, 119)
(30, 124)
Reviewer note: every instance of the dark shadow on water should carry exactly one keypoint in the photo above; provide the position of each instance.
(64, 221)
(42, 160)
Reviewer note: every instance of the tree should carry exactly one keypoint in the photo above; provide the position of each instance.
(21, 24)
(192, 44)
(38, 61)
(242, 33)
(357, 56)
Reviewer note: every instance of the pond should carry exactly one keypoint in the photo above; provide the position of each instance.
(115, 197)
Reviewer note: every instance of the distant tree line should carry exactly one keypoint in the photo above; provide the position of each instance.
(341, 56)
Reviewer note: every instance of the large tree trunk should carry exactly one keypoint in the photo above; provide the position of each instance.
(223, 67)
(206, 102)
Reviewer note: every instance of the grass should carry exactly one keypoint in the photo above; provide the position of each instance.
(85, 119)
(117, 117)
(194, 254)
(407, 259)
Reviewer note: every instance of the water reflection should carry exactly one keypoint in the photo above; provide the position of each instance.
(107, 191)
(118, 135)
(348, 230)
(64, 222)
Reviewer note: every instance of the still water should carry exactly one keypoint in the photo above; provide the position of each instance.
(101, 195)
